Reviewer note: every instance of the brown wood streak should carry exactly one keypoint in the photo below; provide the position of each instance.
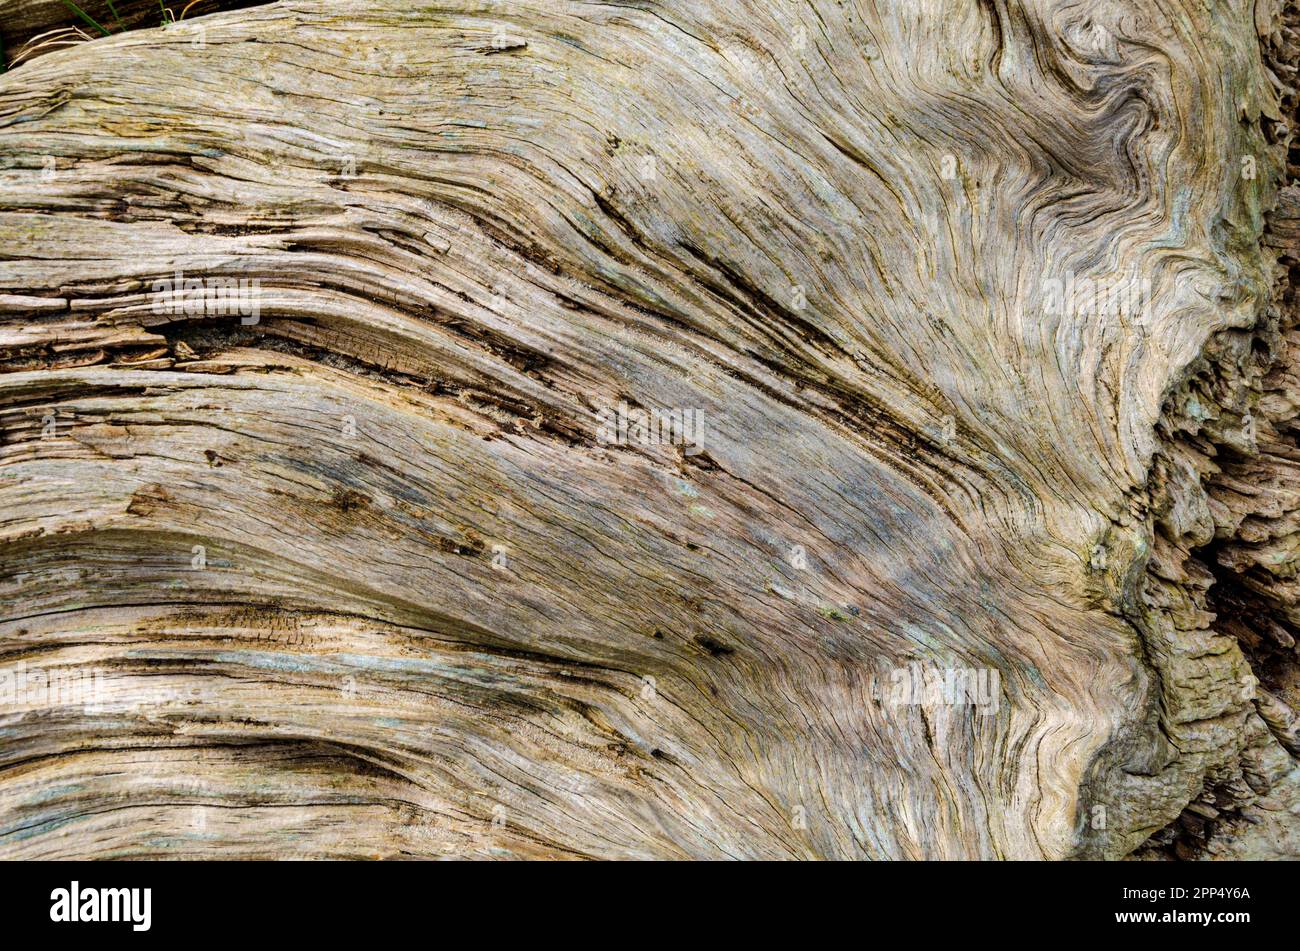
(434, 612)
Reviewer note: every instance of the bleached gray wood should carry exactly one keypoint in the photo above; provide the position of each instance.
(362, 577)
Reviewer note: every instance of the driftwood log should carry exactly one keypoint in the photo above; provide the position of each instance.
(683, 429)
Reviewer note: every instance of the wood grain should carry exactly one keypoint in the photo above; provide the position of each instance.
(974, 299)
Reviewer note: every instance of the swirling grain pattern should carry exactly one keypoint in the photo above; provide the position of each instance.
(329, 330)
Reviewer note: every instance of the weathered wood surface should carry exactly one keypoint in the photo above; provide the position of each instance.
(30, 28)
(359, 576)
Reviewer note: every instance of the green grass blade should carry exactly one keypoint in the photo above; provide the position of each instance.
(113, 10)
(85, 16)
